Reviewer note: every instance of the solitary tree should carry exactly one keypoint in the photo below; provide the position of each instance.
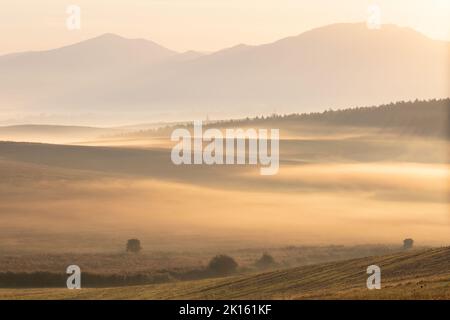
(222, 265)
(134, 245)
(408, 243)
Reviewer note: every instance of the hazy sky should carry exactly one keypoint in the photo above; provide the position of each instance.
(204, 25)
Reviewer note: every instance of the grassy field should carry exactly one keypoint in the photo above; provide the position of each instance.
(415, 274)
(346, 179)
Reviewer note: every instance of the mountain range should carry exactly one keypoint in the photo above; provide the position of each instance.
(113, 80)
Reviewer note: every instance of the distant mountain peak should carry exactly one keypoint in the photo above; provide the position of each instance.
(110, 35)
(352, 28)
(332, 66)
(113, 35)
(114, 39)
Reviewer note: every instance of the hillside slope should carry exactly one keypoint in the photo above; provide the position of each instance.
(417, 274)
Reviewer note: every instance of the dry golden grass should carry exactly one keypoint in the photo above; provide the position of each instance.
(417, 274)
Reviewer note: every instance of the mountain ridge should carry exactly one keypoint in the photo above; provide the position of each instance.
(332, 66)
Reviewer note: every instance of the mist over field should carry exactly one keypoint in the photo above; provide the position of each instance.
(349, 185)
(360, 117)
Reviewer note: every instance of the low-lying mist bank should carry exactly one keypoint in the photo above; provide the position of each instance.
(377, 181)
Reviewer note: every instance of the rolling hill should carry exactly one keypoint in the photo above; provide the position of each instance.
(416, 274)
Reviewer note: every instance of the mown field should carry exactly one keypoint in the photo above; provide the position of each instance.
(415, 274)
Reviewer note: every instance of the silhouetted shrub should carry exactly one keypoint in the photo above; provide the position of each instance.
(222, 265)
(266, 261)
(408, 243)
(134, 245)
